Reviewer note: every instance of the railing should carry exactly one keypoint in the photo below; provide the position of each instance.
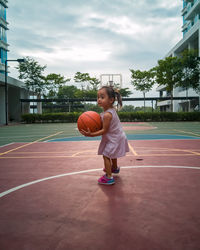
(94, 99)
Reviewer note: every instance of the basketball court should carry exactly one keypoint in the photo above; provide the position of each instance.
(50, 199)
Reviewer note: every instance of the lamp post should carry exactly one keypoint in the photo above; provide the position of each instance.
(6, 85)
(198, 58)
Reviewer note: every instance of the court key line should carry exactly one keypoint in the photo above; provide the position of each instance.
(173, 149)
(84, 151)
(25, 145)
(187, 132)
(82, 172)
(86, 156)
(78, 154)
(132, 150)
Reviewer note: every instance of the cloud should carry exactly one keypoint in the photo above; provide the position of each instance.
(94, 36)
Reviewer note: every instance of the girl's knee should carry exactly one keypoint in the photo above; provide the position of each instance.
(105, 157)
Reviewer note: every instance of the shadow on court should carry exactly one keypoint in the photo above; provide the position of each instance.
(50, 199)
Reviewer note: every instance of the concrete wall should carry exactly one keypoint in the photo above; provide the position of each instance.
(16, 91)
(2, 105)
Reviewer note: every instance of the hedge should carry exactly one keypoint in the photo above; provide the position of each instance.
(159, 116)
(124, 117)
(51, 117)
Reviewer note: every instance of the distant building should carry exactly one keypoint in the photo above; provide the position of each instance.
(16, 91)
(16, 88)
(190, 40)
(3, 36)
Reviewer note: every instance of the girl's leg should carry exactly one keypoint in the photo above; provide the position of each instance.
(115, 168)
(107, 164)
(114, 163)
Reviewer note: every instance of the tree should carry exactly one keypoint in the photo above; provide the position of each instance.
(32, 73)
(89, 91)
(142, 81)
(94, 82)
(125, 92)
(82, 78)
(168, 73)
(190, 68)
(127, 108)
(53, 82)
(67, 92)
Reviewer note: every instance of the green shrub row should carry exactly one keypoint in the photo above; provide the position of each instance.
(51, 117)
(159, 116)
(124, 117)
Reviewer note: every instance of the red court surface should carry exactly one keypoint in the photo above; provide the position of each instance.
(50, 199)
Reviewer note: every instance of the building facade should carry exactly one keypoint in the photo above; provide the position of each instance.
(190, 40)
(16, 89)
(3, 34)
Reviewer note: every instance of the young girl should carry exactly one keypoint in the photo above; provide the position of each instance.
(114, 143)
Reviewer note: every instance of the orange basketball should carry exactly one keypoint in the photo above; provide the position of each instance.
(91, 120)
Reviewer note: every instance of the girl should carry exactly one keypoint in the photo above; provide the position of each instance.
(114, 143)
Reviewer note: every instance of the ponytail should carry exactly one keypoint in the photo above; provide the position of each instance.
(118, 98)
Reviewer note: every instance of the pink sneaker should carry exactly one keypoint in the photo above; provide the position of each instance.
(104, 180)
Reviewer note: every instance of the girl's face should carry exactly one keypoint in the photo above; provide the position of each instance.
(103, 99)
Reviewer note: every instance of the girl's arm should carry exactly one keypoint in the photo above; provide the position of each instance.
(106, 124)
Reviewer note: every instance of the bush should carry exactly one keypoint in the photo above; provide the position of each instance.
(51, 117)
(158, 116)
(124, 117)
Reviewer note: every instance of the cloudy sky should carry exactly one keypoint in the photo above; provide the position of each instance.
(93, 36)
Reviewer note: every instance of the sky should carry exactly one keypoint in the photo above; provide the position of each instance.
(93, 36)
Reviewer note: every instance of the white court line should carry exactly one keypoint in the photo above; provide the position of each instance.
(7, 144)
(82, 172)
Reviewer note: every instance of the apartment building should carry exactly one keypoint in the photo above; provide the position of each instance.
(15, 88)
(3, 34)
(190, 40)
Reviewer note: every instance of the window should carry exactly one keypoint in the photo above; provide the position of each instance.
(3, 34)
(3, 55)
(2, 12)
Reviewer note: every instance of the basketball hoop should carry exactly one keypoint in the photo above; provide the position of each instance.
(111, 80)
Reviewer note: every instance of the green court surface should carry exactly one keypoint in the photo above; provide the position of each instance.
(58, 131)
(34, 132)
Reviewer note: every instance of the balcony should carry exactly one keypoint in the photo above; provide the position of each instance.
(164, 103)
(195, 9)
(3, 23)
(161, 88)
(4, 3)
(185, 26)
(184, 11)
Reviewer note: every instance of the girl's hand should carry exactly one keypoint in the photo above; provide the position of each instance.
(86, 133)
(106, 124)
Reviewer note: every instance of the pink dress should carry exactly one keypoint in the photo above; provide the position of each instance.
(114, 143)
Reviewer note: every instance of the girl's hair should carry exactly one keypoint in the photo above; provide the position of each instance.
(113, 93)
